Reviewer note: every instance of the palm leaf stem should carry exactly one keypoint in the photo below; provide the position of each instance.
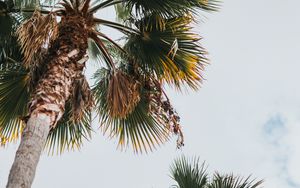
(104, 51)
(16, 10)
(111, 41)
(104, 5)
(120, 27)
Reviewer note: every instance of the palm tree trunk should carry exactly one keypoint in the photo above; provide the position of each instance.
(48, 101)
(46, 108)
(27, 157)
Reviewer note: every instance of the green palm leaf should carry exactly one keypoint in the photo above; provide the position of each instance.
(122, 12)
(167, 8)
(139, 128)
(230, 181)
(7, 23)
(14, 84)
(189, 173)
(9, 47)
(26, 3)
(69, 134)
(13, 77)
(168, 49)
(13, 101)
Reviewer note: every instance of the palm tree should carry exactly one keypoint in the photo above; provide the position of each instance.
(191, 174)
(45, 95)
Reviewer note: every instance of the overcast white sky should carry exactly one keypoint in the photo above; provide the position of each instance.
(245, 119)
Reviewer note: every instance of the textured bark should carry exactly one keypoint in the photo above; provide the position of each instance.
(48, 101)
(46, 108)
(28, 154)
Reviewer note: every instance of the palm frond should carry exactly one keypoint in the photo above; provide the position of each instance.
(189, 173)
(95, 53)
(110, 41)
(27, 3)
(69, 134)
(230, 181)
(114, 49)
(82, 99)
(168, 49)
(102, 48)
(13, 78)
(93, 50)
(9, 49)
(123, 94)
(140, 128)
(35, 34)
(14, 97)
(123, 13)
(9, 46)
(7, 24)
(170, 8)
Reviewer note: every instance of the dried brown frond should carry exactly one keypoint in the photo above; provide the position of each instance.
(82, 99)
(36, 34)
(123, 94)
(36, 71)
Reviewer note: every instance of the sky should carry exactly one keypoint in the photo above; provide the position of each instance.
(244, 120)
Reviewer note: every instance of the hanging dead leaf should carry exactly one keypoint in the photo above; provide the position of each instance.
(123, 94)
